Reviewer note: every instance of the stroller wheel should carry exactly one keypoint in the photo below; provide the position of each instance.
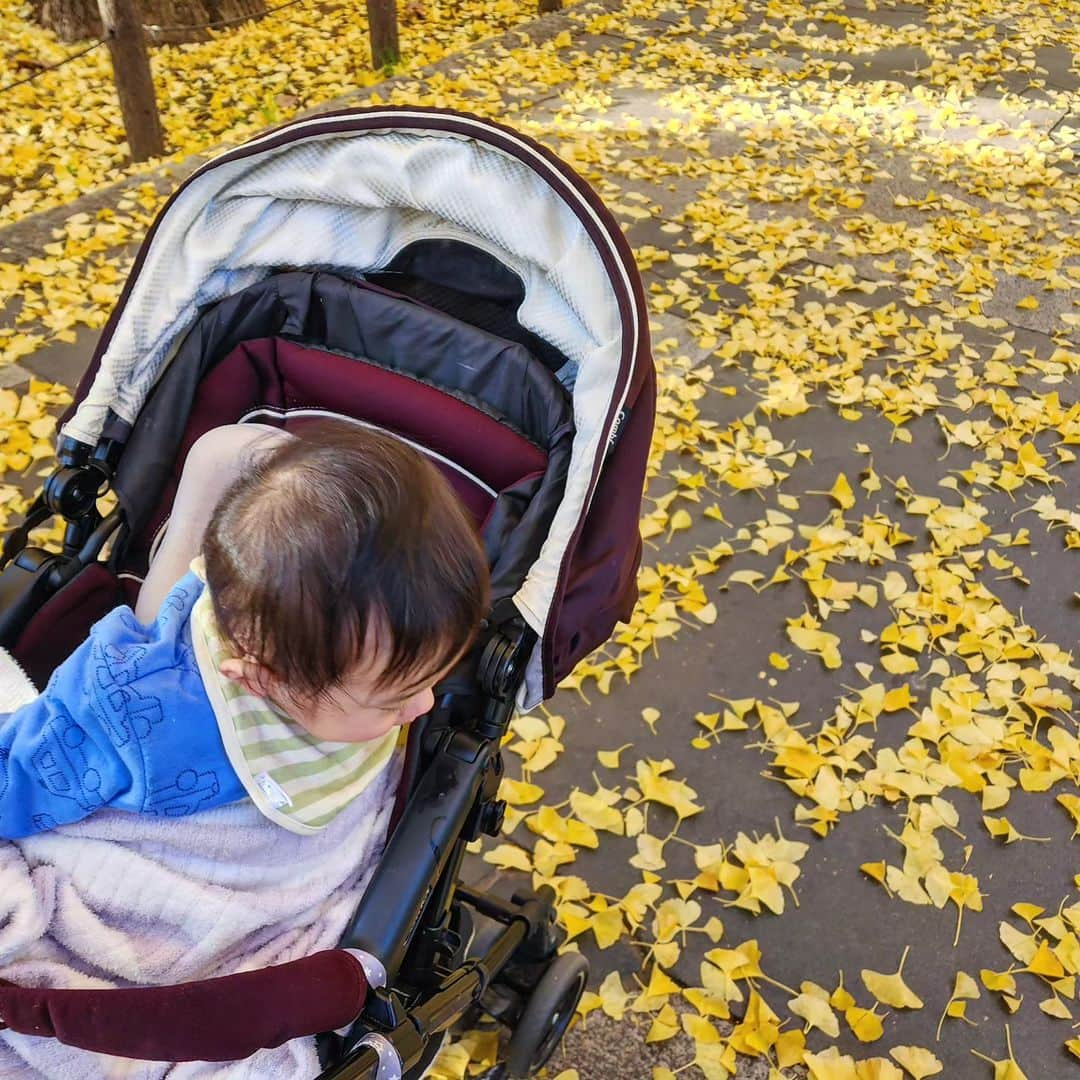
(546, 1015)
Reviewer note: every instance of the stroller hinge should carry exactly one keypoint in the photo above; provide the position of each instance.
(502, 667)
(74, 487)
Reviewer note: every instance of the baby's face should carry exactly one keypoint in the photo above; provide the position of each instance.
(362, 707)
(358, 710)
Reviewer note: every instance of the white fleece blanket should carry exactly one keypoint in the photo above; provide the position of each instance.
(121, 900)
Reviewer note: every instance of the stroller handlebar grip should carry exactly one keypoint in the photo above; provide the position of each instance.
(222, 1019)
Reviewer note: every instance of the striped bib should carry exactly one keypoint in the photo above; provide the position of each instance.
(295, 779)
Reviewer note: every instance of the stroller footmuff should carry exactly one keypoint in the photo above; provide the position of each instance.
(449, 281)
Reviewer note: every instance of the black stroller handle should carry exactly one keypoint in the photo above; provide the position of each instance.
(420, 848)
(223, 1019)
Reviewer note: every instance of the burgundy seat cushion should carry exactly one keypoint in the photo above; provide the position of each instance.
(276, 381)
(63, 622)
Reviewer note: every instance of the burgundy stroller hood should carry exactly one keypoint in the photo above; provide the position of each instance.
(347, 193)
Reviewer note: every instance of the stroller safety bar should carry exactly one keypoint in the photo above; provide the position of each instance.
(222, 1019)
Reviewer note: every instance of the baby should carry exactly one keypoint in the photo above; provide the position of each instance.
(340, 579)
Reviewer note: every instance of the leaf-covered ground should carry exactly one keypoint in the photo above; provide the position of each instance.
(814, 806)
(62, 133)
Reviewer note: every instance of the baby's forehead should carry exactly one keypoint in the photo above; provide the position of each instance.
(374, 667)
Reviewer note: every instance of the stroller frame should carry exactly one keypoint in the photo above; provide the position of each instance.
(454, 802)
(403, 972)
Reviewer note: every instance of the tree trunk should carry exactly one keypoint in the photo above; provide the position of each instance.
(383, 32)
(78, 20)
(131, 73)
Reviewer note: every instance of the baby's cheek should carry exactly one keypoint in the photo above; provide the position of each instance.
(369, 728)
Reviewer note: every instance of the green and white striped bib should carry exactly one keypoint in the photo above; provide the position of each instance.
(295, 779)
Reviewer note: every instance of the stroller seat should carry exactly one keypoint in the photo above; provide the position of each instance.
(494, 419)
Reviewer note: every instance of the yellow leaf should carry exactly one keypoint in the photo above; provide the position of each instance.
(660, 984)
(899, 698)
(650, 853)
(877, 1069)
(699, 1029)
(674, 916)
(547, 823)
(516, 792)
(613, 998)
(596, 813)
(607, 926)
(714, 929)
(1045, 963)
(635, 822)
(657, 787)
(897, 663)
(509, 857)
(815, 1010)
(715, 1060)
(1054, 1006)
(891, 989)
(664, 1026)
(830, 1064)
(999, 981)
(865, 1024)
(706, 614)
(842, 493)
(530, 728)
(610, 758)
(840, 998)
(917, 1061)
(679, 520)
(894, 586)
(875, 870)
(746, 577)
(804, 633)
(708, 1002)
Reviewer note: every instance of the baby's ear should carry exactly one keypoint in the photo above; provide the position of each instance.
(250, 674)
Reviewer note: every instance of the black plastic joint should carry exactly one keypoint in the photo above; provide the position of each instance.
(71, 452)
(491, 817)
(72, 491)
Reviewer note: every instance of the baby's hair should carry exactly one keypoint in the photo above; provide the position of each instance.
(335, 539)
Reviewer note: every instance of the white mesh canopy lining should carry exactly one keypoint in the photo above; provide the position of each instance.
(352, 202)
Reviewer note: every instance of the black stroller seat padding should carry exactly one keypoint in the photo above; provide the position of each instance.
(300, 344)
(463, 281)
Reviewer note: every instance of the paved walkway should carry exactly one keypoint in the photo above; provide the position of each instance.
(806, 185)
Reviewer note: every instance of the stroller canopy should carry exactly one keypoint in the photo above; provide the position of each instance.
(348, 192)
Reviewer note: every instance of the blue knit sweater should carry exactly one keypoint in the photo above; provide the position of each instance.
(124, 722)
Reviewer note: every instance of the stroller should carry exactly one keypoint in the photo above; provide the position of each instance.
(451, 281)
